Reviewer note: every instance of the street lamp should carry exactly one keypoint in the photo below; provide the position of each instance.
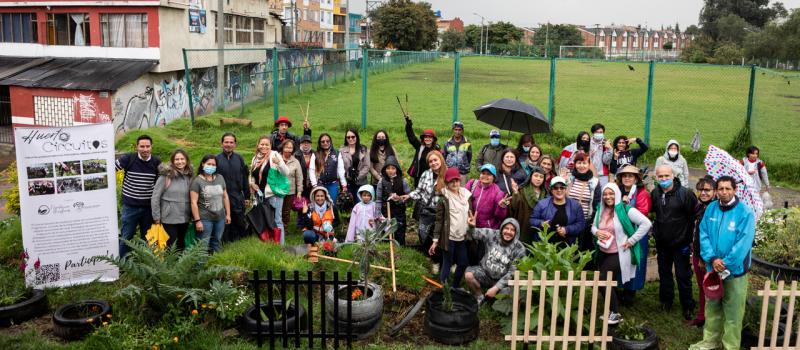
(546, 38)
(480, 48)
(489, 25)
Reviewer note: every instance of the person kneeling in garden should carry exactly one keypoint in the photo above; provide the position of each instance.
(318, 218)
(503, 250)
(726, 239)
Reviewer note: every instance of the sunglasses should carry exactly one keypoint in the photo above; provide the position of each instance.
(705, 190)
(349, 137)
(558, 188)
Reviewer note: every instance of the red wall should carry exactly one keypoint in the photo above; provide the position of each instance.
(22, 103)
(94, 12)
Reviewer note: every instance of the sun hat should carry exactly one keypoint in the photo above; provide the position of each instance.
(630, 169)
(712, 286)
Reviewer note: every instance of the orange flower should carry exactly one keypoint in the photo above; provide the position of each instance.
(194, 312)
(154, 347)
(356, 294)
(175, 340)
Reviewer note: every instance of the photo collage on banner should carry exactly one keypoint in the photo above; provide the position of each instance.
(68, 203)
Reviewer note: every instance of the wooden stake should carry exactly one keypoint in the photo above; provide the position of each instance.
(391, 248)
(318, 256)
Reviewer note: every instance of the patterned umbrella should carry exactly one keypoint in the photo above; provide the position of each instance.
(719, 163)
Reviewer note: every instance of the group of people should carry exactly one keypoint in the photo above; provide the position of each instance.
(591, 195)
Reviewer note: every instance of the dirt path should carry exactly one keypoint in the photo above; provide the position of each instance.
(779, 194)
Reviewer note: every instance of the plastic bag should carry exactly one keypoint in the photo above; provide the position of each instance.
(278, 182)
(766, 199)
(157, 237)
(298, 203)
(189, 238)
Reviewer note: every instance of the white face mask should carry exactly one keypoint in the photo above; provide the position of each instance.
(673, 154)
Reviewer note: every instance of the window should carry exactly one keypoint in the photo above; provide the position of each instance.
(124, 30)
(258, 30)
(68, 29)
(18, 28)
(229, 29)
(244, 29)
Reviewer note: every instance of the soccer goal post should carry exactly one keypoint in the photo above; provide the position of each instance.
(575, 51)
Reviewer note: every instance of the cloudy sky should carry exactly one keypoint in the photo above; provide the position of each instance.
(654, 13)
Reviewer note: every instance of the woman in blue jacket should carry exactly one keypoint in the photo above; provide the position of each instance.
(562, 215)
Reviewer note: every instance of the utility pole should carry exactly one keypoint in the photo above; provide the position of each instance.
(294, 21)
(546, 39)
(220, 103)
(488, 25)
(347, 25)
(480, 47)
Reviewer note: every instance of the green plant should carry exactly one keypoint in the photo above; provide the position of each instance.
(10, 241)
(250, 254)
(11, 195)
(776, 239)
(171, 279)
(629, 329)
(12, 287)
(447, 296)
(367, 250)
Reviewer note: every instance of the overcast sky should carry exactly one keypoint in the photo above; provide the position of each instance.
(587, 12)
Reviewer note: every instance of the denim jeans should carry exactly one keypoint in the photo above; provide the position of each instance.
(131, 218)
(212, 230)
(310, 237)
(455, 251)
(276, 203)
(333, 190)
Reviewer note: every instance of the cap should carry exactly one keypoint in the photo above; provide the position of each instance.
(429, 133)
(558, 180)
(283, 119)
(490, 168)
(712, 286)
(458, 124)
(304, 138)
(494, 134)
(452, 174)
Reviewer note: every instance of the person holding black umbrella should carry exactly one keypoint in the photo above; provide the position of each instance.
(423, 145)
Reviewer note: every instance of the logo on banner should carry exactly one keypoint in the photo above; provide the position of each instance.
(44, 210)
(61, 141)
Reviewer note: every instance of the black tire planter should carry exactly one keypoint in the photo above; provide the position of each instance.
(450, 336)
(360, 310)
(75, 320)
(650, 341)
(249, 327)
(34, 306)
(452, 327)
(777, 271)
(360, 329)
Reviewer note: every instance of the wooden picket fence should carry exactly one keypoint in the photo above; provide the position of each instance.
(766, 293)
(557, 283)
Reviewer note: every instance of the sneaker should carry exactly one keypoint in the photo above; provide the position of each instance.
(435, 269)
(613, 318)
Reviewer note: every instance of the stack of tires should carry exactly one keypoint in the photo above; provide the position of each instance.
(459, 325)
(365, 315)
(248, 323)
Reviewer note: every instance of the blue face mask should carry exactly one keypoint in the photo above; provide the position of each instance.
(526, 149)
(209, 169)
(598, 136)
(665, 183)
(327, 227)
(494, 141)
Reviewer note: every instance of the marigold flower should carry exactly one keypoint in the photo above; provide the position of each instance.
(194, 312)
(154, 347)
(175, 340)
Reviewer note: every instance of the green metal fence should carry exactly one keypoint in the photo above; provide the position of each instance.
(650, 100)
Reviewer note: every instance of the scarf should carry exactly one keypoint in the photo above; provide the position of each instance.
(584, 176)
(529, 193)
(621, 212)
(258, 162)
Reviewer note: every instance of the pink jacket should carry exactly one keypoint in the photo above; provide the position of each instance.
(485, 199)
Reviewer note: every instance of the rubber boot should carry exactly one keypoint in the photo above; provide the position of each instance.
(264, 236)
(276, 235)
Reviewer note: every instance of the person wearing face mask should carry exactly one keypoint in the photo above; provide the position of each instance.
(493, 152)
(211, 209)
(566, 158)
(307, 159)
(423, 146)
(672, 157)
(380, 150)
(617, 229)
(458, 151)
(706, 190)
(600, 153)
(524, 145)
(675, 213)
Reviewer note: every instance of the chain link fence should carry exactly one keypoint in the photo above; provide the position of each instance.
(775, 124)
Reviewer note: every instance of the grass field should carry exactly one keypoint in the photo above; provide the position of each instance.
(686, 98)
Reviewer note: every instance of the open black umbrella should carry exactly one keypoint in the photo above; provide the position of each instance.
(513, 115)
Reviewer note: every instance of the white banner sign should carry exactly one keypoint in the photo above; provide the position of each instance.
(68, 203)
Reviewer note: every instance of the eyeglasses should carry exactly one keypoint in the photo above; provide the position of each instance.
(349, 137)
(706, 190)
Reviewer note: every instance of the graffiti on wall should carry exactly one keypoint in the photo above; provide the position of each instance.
(171, 101)
(204, 89)
(156, 105)
(88, 112)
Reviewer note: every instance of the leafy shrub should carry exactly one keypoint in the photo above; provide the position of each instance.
(628, 329)
(171, 279)
(176, 327)
(10, 241)
(777, 238)
(12, 286)
(11, 195)
(251, 254)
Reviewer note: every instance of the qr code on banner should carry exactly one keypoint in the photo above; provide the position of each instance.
(47, 273)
